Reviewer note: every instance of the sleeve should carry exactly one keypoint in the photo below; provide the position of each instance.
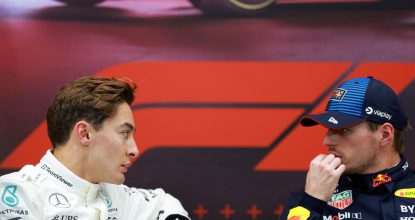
(18, 198)
(301, 206)
(150, 204)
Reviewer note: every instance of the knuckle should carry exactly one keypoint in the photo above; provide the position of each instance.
(314, 163)
(322, 167)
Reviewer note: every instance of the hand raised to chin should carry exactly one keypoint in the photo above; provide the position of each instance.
(323, 176)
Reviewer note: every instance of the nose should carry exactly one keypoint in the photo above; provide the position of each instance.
(329, 139)
(133, 149)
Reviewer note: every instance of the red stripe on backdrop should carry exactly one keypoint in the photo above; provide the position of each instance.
(211, 127)
(286, 155)
(227, 126)
(228, 82)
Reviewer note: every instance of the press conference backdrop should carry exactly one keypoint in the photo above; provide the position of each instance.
(223, 137)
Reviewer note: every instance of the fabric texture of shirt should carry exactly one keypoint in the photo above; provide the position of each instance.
(50, 191)
(385, 195)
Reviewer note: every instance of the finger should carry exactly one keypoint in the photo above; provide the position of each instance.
(340, 170)
(319, 158)
(328, 159)
(335, 163)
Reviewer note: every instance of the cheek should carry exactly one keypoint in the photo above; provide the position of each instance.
(362, 148)
(106, 148)
(112, 151)
(115, 150)
(361, 141)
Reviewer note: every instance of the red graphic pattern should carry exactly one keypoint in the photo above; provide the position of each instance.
(244, 105)
(253, 212)
(227, 211)
(200, 211)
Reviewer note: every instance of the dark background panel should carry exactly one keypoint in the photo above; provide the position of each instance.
(44, 44)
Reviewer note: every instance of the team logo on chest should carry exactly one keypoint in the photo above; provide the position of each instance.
(341, 200)
(381, 179)
(59, 201)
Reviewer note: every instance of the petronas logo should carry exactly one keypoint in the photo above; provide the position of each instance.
(9, 196)
(106, 199)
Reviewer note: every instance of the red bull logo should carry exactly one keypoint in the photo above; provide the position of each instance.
(381, 179)
(338, 94)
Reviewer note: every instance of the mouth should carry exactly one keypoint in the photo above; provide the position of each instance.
(335, 153)
(125, 166)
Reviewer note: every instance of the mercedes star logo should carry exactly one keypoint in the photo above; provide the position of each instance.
(59, 201)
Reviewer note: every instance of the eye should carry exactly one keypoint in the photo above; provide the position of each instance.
(340, 131)
(125, 134)
(344, 130)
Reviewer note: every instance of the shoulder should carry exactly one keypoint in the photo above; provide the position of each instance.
(123, 191)
(26, 179)
(20, 192)
(149, 203)
(296, 195)
(26, 174)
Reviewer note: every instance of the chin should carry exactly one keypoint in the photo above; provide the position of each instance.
(116, 181)
(121, 180)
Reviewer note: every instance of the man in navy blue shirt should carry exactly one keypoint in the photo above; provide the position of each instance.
(364, 175)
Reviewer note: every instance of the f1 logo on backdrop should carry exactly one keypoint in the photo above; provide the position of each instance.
(230, 105)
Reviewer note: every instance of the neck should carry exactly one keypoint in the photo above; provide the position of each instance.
(393, 160)
(74, 159)
(383, 162)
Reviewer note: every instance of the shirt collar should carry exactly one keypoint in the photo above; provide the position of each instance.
(65, 178)
(382, 180)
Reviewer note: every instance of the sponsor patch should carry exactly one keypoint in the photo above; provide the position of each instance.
(108, 202)
(345, 215)
(298, 213)
(405, 166)
(406, 193)
(370, 111)
(333, 120)
(338, 94)
(56, 175)
(381, 179)
(59, 201)
(14, 211)
(9, 196)
(65, 217)
(341, 200)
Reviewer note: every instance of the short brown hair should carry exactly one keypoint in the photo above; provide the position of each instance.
(92, 99)
(398, 140)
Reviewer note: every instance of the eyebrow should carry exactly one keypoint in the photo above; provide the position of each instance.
(130, 126)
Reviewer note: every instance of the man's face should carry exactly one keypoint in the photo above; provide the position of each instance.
(112, 147)
(357, 147)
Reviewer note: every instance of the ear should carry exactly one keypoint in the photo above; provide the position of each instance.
(82, 130)
(387, 132)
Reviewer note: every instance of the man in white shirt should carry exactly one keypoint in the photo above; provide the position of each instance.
(91, 126)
